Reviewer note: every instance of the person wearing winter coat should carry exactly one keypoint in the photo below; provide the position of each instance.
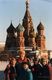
(22, 57)
(13, 74)
(46, 71)
(10, 71)
(28, 74)
(19, 71)
(43, 70)
(6, 72)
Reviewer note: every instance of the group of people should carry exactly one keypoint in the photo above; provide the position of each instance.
(24, 68)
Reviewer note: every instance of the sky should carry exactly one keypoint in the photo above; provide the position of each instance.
(14, 10)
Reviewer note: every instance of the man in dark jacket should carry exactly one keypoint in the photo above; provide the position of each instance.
(19, 71)
(43, 70)
(46, 72)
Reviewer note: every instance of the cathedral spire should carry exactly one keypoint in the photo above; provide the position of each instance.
(28, 25)
(27, 20)
(27, 4)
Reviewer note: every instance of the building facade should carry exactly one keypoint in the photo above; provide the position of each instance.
(24, 35)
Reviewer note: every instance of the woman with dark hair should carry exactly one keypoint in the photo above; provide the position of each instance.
(13, 74)
(10, 71)
(6, 72)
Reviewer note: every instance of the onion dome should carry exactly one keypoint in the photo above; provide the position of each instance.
(40, 26)
(11, 28)
(20, 28)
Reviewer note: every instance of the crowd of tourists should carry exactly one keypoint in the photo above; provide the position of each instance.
(24, 68)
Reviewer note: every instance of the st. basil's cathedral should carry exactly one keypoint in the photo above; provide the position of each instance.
(24, 36)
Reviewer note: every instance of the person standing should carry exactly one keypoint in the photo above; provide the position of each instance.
(6, 72)
(12, 74)
(28, 74)
(19, 69)
(22, 57)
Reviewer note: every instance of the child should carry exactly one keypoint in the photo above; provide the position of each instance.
(28, 74)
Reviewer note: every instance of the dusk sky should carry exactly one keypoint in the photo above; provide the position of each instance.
(40, 10)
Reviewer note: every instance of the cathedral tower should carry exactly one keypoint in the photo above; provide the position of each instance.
(29, 33)
(20, 37)
(40, 37)
(11, 39)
